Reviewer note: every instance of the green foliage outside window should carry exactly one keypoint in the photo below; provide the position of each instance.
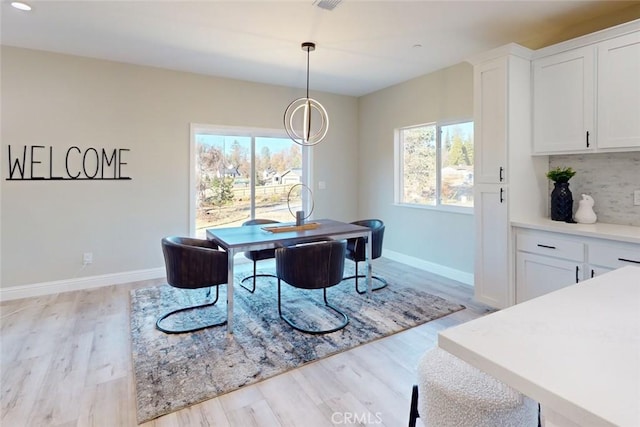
(437, 171)
(222, 189)
(419, 155)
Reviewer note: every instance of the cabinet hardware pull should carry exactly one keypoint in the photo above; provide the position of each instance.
(577, 270)
(501, 174)
(629, 260)
(546, 246)
(593, 273)
(587, 139)
(501, 195)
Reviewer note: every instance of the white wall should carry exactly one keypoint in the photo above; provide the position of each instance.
(61, 101)
(442, 238)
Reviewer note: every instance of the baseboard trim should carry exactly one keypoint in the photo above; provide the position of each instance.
(440, 270)
(80, 283)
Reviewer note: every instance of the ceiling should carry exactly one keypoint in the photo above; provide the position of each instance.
(362, 46)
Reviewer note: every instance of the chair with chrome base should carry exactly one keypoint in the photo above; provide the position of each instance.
(258, 255)
(317, 265)
(193, 264)
(357, 248)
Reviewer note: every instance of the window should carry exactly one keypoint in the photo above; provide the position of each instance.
(243, 174)
(434, 165)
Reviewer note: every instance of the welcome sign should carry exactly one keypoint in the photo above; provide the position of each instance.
(40, 162)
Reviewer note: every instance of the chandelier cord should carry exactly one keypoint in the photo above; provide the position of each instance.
(308, 127)
(307, 73)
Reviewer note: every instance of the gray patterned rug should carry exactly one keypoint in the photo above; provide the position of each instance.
(176, 371)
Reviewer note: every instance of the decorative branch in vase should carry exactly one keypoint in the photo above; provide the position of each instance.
(561, 197)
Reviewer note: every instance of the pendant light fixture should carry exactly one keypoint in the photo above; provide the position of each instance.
(305, 119)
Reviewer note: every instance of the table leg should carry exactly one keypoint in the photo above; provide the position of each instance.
(230, 254)
(369, 251)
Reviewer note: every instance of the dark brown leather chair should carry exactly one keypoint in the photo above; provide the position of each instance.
(356, 249)
(259, 255)
(193, 264)
(318, 265)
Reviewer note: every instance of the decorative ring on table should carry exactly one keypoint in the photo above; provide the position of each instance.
(289, 200)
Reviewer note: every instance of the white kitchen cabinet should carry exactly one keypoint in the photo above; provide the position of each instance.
(586, 93)
(547, 261)
(502, 137)
(492, 246)
(490, 127)
(538, 275)
(619, 93)
(550, 244)
(551, 96)
(564, 102)
(594, 270)
(605, 256)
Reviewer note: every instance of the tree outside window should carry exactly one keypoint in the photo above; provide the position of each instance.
(226, 194)
(435, 165)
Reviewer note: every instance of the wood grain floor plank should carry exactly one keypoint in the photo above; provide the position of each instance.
(319, 382)
(289, 402)
(104, 401)
(20, 384)
(66, 360)
(209, 413)
(257, 414)
(348, 409)
(373, 391)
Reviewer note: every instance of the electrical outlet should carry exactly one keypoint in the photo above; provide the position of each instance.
(87, 258)
(636, 198)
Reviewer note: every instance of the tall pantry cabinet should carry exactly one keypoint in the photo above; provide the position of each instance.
(508, 181)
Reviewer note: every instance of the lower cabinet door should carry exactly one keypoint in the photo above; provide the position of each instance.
(537, 275)
(593, 271)
(491, 276)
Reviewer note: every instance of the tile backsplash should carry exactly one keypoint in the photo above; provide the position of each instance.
(610, 178)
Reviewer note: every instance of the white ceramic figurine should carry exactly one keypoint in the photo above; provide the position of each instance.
(585, 213)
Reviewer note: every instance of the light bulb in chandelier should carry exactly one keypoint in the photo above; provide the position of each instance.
(305, 119)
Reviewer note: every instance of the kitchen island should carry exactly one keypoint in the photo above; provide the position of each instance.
(575, 350)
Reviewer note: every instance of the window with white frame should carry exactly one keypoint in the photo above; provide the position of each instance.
(245, 173)
(434, 165)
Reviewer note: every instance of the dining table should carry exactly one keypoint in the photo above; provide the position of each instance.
(236, 240)
(576, 350)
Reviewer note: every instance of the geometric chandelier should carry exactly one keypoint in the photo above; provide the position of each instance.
(305, 119)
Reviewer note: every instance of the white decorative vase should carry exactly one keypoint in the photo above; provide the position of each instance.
(585, 213)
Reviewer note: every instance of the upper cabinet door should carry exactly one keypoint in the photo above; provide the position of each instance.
(619, 92)
(490, 121)
(564, 102)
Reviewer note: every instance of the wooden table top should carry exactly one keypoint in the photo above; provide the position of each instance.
(256, 237)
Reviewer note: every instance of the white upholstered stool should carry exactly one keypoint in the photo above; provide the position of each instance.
(453, 393)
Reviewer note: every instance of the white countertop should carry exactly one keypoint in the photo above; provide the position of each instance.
(575, 350)
(623, 233)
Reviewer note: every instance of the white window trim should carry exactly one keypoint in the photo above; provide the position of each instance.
(399, 165)
(196, 128)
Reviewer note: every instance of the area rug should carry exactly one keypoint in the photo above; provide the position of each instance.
(176, 371)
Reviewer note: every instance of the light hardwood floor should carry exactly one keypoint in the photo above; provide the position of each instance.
(66, 361)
